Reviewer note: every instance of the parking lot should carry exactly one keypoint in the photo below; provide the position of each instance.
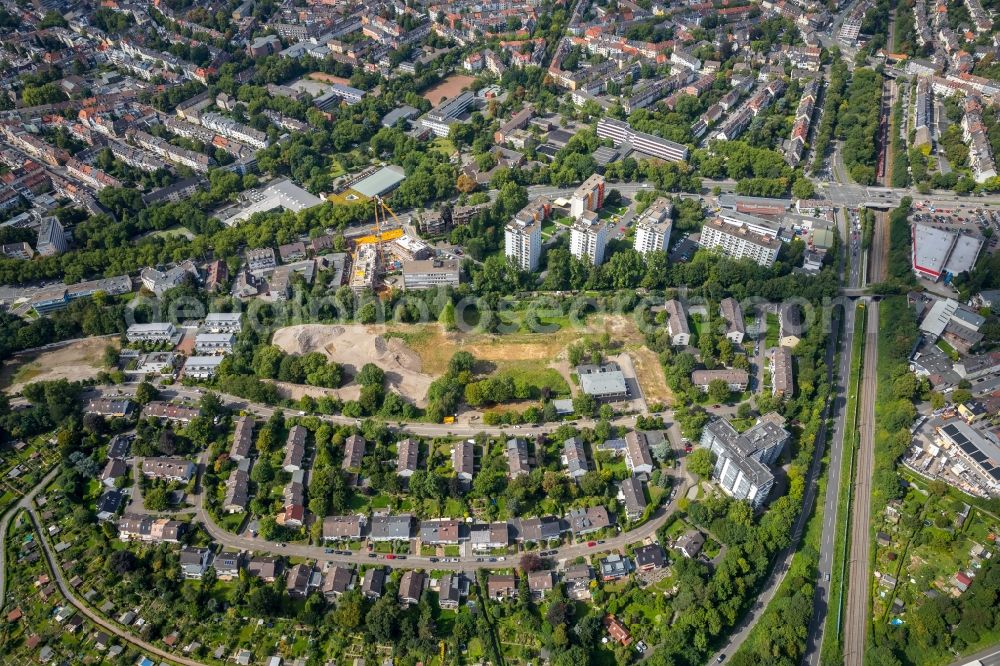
(966, 217)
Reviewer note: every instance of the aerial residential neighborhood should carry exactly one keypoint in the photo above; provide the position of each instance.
(542, 332)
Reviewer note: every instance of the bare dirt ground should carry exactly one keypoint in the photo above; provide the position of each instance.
(354, 345)
(450, 87)
(329, 78)
(298, 391)
(74, 362)
(413, 355)
(649, 373)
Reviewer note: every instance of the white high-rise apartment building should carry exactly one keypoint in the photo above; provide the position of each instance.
(652, 231)
(588, 197)
(588, 238)
(523, 243)
(739, 242)
(523, 234)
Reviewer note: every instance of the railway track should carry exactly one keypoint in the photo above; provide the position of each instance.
(857, 609)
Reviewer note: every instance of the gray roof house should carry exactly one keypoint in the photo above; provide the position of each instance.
(589, 520)
(574, 457)
(633, 496)
(517, 457)
(391, 528)
(407, 457)
(354, 451)
(452, 587)
(637, 456)
(464, 461)
(373, 583)
(194, 561)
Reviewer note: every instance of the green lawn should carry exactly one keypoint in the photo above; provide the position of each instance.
(537, 376)
(947, 349)
(773, 330)
(444, 146)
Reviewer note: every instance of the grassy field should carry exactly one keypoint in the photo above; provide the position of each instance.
(172, 232)
(773, 330)
(76, 361)
(948, 350)
(444, 145)
(541, 378)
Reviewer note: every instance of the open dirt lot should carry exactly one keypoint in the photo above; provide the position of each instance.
(354, 345)
(447, 88)
(329, 78)
(298, 391)
(413, 355)
(75, 362)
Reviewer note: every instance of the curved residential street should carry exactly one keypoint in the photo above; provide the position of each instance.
(683, 480)
(23, 503)
(91, 615)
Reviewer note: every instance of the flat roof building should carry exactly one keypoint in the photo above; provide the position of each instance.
(588, 238)
(430, 273)
(652, 230)
(202, 367)
(943, 253)
(739, 242)
(156, 332)
(621, 132)
(978, 451)
(386, 179)
(604, 382)
(742, 460)
(281, 193)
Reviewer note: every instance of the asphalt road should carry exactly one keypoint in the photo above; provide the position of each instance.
(682, 482)
(413, 427)
(23, 503)
(830, 504)
(468, 563)
(988, 657)
(86, 611)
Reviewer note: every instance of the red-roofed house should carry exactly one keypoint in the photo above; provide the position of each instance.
(617, 630)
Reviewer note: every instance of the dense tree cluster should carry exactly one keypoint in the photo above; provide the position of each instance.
(858, 123)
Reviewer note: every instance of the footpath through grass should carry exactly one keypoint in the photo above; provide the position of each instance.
(830, 652)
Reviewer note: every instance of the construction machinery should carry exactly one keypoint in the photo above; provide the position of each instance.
(369, 258)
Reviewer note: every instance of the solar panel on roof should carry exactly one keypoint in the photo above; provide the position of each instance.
(980, 457)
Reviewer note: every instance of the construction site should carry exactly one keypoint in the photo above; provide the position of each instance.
(384, 251)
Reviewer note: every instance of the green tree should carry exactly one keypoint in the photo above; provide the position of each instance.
(447, 317)
(145, 393)
(371, 375)
(718, 390)
(701, 462)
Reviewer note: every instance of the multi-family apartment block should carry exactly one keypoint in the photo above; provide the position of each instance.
(652, 229)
